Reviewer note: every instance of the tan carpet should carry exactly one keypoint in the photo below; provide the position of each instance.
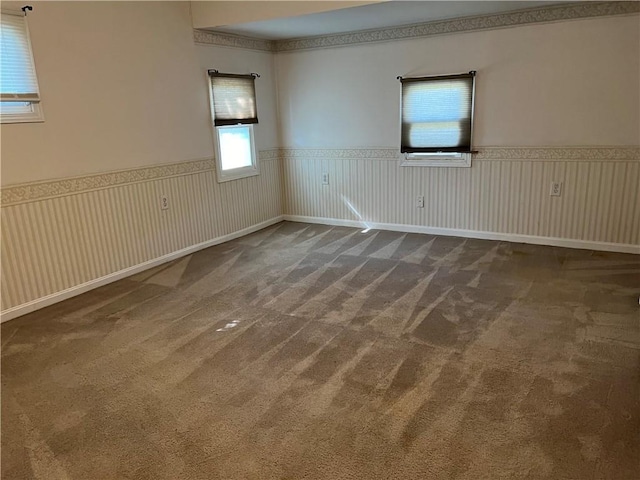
(316, 352)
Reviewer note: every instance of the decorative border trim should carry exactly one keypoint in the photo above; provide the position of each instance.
(341, 153)
(623, 154)
(30, 192)
(484, 235)
(553, 13)
(39, 303)
(272, 154)
(206, 37)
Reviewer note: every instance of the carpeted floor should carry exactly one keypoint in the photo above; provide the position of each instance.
(315, 352)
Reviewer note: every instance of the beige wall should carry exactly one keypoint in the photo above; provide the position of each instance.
(123, 86)
(127, 120)
(558, 84)
(560, 89)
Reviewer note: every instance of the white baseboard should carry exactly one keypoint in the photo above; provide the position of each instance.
(453, 232)
(39, 303)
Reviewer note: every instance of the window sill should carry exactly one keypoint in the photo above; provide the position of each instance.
(462, 160)
(237, 174)
(32, 117)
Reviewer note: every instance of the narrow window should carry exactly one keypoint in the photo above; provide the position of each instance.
(233, 106)
(437, 120)
(19, 93)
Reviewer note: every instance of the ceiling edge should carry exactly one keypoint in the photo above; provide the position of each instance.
(571, 11)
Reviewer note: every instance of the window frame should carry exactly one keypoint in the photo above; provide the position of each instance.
(36, 115)
(232, 173)
(441, 159)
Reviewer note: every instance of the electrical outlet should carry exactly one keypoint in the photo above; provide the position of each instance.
(325, 179)
(164, 202)
(420, 201)
(556, 189)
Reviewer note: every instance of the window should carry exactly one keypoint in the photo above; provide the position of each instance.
(19, 95)
(233, 106)
(437, 120)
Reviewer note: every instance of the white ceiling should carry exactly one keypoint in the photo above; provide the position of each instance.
(386, 14)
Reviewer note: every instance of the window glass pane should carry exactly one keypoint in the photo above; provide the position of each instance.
(15, 107)
(436, 134)
(437, 154)
(235, 147)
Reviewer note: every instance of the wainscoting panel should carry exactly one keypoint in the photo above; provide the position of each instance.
(61, 234)
(506, 191)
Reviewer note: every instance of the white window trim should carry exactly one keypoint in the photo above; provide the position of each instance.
(439, 160)
(36, 115)
(235, 173)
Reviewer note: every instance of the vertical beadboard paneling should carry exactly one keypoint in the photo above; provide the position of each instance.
(600, 199)
(63, 240)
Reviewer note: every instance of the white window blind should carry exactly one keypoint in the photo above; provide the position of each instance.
(437, 114)
(234, 99)
(18, 82)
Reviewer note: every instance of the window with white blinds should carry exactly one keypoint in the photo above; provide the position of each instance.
(234, 111)
(19, 94)
(437, 114)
